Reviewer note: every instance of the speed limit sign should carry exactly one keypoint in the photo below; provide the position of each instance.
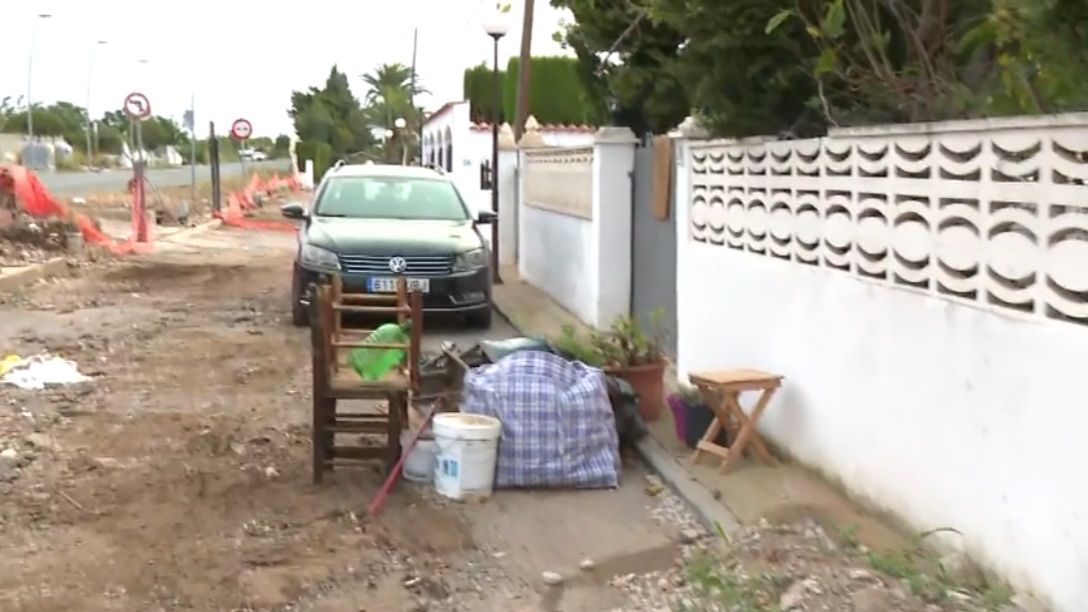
(241, 129)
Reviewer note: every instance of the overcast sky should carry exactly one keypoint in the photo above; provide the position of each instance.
(242, 58)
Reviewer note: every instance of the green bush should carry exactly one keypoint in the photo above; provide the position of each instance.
(479, 90)
(322, 159)
(557, 93)
(303, 150)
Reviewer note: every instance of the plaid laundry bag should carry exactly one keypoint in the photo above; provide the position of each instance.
(558, 429)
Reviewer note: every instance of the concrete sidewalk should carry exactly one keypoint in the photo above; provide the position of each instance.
(752, 491)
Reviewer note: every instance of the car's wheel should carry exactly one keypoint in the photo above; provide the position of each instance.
(300, 315)
(480, 319)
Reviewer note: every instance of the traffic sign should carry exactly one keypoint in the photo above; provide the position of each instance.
(137, 106)
(241, 129)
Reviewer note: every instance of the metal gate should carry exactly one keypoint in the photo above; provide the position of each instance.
(653, 252)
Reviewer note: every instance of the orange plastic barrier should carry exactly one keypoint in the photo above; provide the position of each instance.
(33, 197)
(238, 202)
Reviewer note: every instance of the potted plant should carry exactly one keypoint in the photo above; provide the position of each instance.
(692, 416)
(627, 352)
(632, 354)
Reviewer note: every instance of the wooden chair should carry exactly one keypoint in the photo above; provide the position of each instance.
(334, 380)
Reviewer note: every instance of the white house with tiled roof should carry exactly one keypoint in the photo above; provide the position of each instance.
(462, 148)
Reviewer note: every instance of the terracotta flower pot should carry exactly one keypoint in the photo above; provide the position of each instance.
(649, 382)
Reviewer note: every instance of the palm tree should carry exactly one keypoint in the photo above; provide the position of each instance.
(389, 96)
(387, 78)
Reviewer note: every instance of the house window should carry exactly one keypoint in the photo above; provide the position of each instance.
(485, 174)
(449, 157)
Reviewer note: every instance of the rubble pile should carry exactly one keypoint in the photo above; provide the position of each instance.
(27, 241)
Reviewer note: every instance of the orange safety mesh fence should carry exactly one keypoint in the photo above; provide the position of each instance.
(34, 198)
(238, 202)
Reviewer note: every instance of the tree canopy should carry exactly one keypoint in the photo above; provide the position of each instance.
(331, 115)
(799, 66)
(333, 124)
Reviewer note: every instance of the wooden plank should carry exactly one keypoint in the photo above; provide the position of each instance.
(373, 345)
(370, 309)
(733, 377)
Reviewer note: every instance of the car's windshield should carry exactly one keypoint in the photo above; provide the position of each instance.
(388, 197)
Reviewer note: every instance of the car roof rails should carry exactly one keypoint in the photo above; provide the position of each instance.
(437, 168)
(340, 163)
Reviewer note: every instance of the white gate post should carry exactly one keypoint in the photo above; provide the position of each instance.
(613, 164)
(508, 197)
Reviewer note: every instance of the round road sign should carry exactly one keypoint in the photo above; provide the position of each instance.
(241, 129)
(137, 106)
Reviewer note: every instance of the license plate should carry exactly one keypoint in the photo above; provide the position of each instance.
(389, 285)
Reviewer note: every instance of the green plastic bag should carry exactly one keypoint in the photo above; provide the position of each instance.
(373, 363)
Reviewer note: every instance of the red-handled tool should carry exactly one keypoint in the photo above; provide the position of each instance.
(387, 486)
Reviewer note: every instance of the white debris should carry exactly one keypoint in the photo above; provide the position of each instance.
(35, 373)
(587, 565)
(551, 578)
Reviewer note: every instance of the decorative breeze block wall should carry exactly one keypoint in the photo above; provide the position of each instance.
(990, 213)
(560, 180)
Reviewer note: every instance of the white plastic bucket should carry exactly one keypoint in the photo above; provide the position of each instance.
(419, 465)
(467, 449)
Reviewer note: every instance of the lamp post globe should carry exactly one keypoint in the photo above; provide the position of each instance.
(496, 25)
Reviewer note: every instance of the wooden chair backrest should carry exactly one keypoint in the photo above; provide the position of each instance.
(334, 304)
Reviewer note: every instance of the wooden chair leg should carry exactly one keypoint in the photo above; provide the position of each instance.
(755, 441)
(398, 404)
(748, 432)
(317, 441)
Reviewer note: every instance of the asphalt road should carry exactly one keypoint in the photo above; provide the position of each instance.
(78, 183)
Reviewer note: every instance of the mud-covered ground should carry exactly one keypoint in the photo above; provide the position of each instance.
(178, 477)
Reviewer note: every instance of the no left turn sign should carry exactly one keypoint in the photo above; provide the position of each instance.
(137, 106)
(241, 129)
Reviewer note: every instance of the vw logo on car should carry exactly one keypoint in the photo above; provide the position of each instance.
(397, 265)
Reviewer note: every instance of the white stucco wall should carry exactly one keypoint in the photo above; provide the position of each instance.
(946, 412)
(561, 273)
(947, 415)
(574, 225)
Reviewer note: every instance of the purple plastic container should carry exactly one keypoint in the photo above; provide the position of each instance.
(679, 415)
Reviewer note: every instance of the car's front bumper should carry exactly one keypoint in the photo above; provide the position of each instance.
(455, 293)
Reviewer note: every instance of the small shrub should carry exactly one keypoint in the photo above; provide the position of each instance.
(572, 346)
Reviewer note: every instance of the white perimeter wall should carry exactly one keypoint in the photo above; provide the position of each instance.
(559, 272)
(949, 410)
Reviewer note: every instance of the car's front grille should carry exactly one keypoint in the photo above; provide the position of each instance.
(418, 265)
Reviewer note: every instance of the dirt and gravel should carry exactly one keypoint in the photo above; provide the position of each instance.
(177, 478)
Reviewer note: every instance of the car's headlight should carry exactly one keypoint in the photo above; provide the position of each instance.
(471, 260)
(318, 257)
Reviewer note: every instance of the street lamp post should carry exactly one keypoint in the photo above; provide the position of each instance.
(402, 136)
(496, 27)
(30, 78)
(90, 78)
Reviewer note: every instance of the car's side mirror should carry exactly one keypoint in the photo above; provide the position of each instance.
(486, 217)
(294, 210)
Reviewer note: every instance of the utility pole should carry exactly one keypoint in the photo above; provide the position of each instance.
(90, 121)
(525, 61)
(409, 132)
(192, 149)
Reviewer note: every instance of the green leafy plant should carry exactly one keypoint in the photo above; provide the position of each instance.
(573, 346)
(625, 344)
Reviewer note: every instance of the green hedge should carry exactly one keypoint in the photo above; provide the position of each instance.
(557, 93)
(320, 153)
(479, 90)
